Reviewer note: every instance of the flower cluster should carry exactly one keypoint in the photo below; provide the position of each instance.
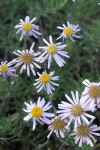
(73, 113)
(76, 111)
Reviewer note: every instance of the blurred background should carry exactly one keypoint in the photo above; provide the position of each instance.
(84, 63)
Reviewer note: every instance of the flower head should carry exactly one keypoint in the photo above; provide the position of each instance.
(27, 59)
(91, 94)
(6, 70)
(58, 126)
(37, 111)
(53, 51)
(46, 82)
(84, 133)
(69, 31)
(75, 110)
(27, 28)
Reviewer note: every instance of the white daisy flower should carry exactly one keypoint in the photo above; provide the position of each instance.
(27, 28)
(84, 133)
(53, 51)
(37, 112)
(6, 70)
(69, 31)
(27, 59)
(91, 94)
(75, 110)
(46, 82)
(58, 126)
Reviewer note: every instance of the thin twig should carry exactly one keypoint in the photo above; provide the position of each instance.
(42, 145)
(4, 139)
(63, 141)
(61, 146)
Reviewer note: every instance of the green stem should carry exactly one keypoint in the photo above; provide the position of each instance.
(50, 97)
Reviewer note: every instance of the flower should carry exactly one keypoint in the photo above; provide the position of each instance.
(45, 81)
(69, 31)
(6, 70)
(28, 59)
(91, 94)
(27, 28)
(75, 110)
(58, 126)
(53, 51)
(84, 133)
(37, 111)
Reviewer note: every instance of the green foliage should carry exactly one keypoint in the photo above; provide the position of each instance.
(84, 63)
(5, 125)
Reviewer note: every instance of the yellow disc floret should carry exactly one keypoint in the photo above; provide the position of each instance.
(68, 31)
(94, 91)
(45, 78)
(76, 110)
(4, 68)
(27, 58)
(58, 124)
(36, 112)
(83, 130)
(52, 49)
(27, 26)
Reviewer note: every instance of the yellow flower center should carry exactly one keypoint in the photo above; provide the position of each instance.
(27, 58)
(51, 49)
(58, 123)
(94, 91)
(4, 68)
(68, 31)
(45, 78)
(36, 112)
(76, 110)
(27, 26)
(83, 130)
